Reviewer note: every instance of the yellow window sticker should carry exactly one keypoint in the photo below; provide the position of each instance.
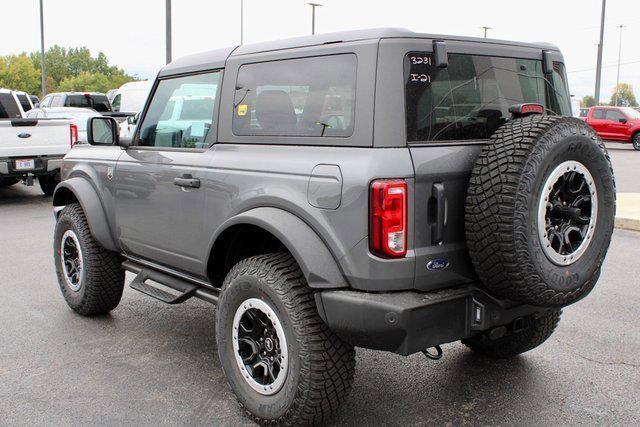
(242, 109)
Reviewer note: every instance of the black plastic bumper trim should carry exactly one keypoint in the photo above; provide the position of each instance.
(408, 322)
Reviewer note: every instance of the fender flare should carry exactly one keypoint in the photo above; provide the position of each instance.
(318, 265)
(91, 205)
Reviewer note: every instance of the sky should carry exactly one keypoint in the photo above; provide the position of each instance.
(131, 32)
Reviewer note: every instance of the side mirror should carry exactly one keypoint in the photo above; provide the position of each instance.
(37, 104)
(623, 121)
(132, 120)
(102, 131)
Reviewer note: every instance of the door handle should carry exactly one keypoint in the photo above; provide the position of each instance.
(437, 227)
(187, 180)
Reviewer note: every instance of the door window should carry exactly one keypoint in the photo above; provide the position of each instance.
(296, 97)
(598, 113)
(180, 114)
(614, 115)
(115, 104)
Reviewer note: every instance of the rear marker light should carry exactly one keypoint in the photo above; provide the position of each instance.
(73, 134)
(388, 218)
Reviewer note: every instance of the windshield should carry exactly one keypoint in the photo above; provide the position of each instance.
(99, 103)
(634, 114)
(470, 98)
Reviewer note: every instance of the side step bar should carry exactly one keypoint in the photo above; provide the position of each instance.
(185, 288)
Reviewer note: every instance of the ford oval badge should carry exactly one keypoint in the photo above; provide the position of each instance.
(437, 264)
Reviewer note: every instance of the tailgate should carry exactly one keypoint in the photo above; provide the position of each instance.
(441, 180)
(34, 137)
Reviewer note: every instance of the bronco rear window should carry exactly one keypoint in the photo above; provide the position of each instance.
(470, 98)
(8, 107)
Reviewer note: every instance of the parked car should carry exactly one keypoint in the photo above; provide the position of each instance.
(377, 188)
(616, 124)
(95, 101)
(31, 148)
(78, 117)
(129, 99)
(25, 100)
(10, 107)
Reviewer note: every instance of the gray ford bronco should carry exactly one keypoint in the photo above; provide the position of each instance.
(380, 189)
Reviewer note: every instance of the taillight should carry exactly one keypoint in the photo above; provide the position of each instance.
(73, 134)
(388, 218)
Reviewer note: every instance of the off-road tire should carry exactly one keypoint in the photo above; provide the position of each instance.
(321, 365)
(48, 184)
(102, 278)
(502, 208)
(539, 330)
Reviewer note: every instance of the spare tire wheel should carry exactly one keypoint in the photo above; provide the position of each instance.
(540, 210)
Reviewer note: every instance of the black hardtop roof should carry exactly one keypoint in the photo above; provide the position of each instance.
(217, 58)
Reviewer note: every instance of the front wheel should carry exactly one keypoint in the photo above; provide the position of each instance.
(91, 277)
(280, 359)
(636, 141)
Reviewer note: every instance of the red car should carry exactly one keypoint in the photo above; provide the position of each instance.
(615, 123)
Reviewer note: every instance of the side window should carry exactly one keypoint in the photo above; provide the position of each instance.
(45, 102)
(55, 101)
(614, 115)
(180, 114)
(115, 104)
(296, 97)
(598, 113)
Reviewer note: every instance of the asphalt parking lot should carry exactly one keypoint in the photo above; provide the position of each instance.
(152, 364)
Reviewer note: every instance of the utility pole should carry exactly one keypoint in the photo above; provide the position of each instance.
(168, 32)
(619, 56)
(42, 67)
(600, 48)
(241, 21)
(485, 30)
(313, 16)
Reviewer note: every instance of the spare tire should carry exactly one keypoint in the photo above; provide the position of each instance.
(540, 210)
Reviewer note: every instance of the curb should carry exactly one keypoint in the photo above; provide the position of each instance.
(628, 223)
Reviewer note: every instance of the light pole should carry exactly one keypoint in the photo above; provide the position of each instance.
(43, 73)
(619, 56)
(313, 16)
(485, 30)
(168, 31)
(600, 47)
(241, 21)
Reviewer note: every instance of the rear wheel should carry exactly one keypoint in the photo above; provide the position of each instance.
(281, 360)
(48, 183)
(635, 140)
(91, 277)
(536, 330)
(7, 182)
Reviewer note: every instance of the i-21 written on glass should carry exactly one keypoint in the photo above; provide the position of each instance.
(420, 60)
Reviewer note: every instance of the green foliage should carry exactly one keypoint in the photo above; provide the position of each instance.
(17, 72)
(67, 70)
(588, 101)
(623, 96)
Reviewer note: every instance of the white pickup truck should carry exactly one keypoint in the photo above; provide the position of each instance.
(31, 148)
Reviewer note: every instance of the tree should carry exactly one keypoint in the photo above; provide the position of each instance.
(587, 101)
(623, 96)
(18, 73)
(85, 82)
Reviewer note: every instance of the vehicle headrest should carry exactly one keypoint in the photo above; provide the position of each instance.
(274, 109)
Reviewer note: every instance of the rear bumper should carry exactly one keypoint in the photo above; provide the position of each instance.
(408, 322)
(44, 165)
